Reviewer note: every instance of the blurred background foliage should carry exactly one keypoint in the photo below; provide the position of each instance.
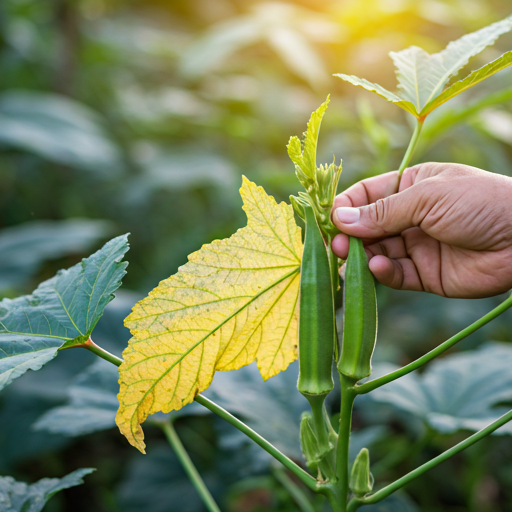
(141, 116)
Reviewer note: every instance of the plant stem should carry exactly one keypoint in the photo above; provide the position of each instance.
(189, 467)
(347, 402)
(326, 464)
(281, 457)
(391, 488)
(385, 379)
(293, 489)
(410, 149)
(305, 477)
(101, 352)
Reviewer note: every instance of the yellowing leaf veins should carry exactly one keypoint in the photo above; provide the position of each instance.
(235, 301)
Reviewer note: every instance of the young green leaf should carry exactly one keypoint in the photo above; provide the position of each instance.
(21, 497)
(234, 302)
(304, 155)
(378, 89)
(475, 77)
(61, 312)
(423, 76)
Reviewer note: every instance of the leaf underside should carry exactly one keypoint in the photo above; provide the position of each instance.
(423, 76)
(61, 312)
(234, 302)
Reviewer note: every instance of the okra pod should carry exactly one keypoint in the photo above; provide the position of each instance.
(316, 322)
(360, 314)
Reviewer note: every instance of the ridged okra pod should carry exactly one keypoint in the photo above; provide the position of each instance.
(316, 321)
(316, 336)
(360, 314)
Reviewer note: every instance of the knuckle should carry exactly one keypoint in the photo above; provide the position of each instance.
(379, 212)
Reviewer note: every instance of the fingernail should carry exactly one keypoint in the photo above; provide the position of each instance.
(348, 215)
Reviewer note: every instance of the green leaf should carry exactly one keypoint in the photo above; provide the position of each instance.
(457, 54)
(422, 76)
(92, 403)
(61, 312)
(21, 497)
(378, 89)
(475, 77)
(460, 391)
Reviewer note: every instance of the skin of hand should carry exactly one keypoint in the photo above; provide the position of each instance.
(447, 231)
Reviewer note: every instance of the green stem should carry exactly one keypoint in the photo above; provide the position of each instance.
(322, 433)
(101, 352)
(347, 402)
(391, 488)
(293, 489)
(283, 459)
(410, 149)
(305, 477)
(385, 379)
(189, 467)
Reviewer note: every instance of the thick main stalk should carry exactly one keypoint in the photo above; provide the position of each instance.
(342, 469)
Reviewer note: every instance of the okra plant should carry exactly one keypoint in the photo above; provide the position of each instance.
(261, 296)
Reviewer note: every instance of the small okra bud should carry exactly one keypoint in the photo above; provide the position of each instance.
(309, 443)
(361, 478)
(359, 315)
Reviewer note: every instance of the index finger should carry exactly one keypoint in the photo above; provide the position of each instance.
(368, 191)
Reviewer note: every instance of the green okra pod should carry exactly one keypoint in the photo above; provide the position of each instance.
(316, 322)
(360, 314)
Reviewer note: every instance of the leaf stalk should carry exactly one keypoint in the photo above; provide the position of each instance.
(188, 466)
(410, 149)
(306, 478)
(101, 352)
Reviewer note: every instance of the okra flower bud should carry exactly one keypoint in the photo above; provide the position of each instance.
(361, 478)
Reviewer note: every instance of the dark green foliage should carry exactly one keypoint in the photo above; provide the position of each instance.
(164, 131)
(20, 497)
(61, 312)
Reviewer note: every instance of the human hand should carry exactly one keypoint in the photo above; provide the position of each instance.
(447, 231)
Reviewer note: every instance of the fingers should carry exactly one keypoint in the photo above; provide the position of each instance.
(368, 191)
(393, 247)
(371, 209)
(407, 262)
(390, 215)
(400, 274)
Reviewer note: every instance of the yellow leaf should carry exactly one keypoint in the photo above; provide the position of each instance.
(235, 301)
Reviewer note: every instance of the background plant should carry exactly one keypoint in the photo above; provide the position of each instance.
(251, 138)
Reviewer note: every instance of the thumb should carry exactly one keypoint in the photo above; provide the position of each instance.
(388, 216)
